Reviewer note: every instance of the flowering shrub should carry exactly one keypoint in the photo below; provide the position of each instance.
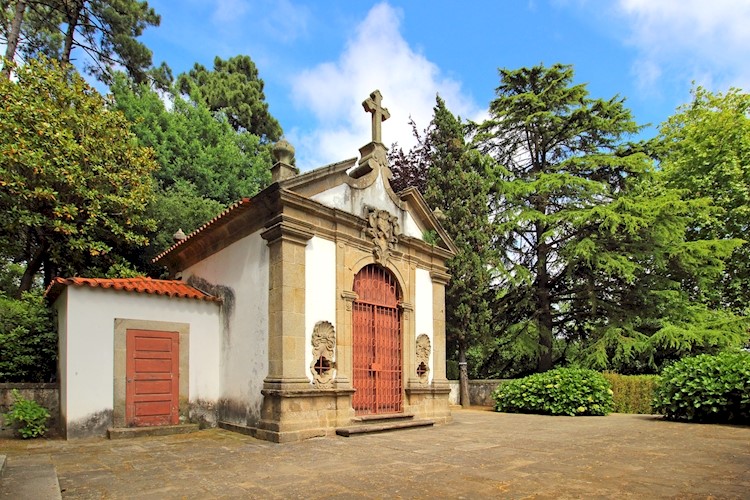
(706, 388)
(564, 391)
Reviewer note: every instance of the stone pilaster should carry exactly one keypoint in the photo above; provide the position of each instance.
(286, 302)
(293, 409)
(439, 281)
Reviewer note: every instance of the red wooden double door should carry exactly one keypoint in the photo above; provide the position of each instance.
(152, 378)
(376, 343)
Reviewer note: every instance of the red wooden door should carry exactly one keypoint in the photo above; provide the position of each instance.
(153, 381)
(376, 343)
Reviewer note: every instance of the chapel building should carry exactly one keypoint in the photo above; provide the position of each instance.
(317, 305)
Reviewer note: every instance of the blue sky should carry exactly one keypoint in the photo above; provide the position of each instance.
(320, 59)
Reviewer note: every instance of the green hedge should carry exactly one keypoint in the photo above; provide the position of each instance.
(706, 388)
(563, 391)
(632, 393)
(28, 340)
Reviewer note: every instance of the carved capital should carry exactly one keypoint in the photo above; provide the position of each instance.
(285, 229)
(440, 277)
(349, 296)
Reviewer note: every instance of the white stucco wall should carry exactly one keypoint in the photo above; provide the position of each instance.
(87, 344)
(61, 307)
(344, 197)
(320, 290)
(410, 227)
(423, 318)
(242, 267)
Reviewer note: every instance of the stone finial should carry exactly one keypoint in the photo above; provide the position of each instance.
(179, 236)
(283, 153)
(379, 114)
(439, 215)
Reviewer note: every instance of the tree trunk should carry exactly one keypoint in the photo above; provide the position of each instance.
(544, 302)
(72, 12)
(13, 36)
(463, 375)
(32, 268)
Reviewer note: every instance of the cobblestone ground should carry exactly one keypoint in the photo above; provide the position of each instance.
(481, 454)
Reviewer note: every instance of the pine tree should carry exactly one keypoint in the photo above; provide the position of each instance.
(458, 186)
(234, 89)
(594, 247)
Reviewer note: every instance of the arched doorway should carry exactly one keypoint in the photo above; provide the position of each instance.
(376, 342)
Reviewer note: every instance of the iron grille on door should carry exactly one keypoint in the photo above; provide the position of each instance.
(376, 342)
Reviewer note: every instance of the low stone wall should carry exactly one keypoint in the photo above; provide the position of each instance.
(47, 395)
(480, 392)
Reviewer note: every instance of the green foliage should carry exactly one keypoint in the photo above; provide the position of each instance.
(562, 391)
(74, 184)
(596, 247)
(29, 416)
(106, 30)
(454, 179)
(180, 206)
(706, 388)
(456, 183)
(558, 161)
(704, 150)
(193, 146)
(632, 393)
(234, 89)
(28, 339)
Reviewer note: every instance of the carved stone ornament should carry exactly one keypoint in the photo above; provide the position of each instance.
(384, 231)
(424, 349)
(323, 368)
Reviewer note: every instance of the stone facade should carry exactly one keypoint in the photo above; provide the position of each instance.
(286, 333)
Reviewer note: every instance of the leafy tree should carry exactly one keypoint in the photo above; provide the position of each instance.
(190, 144)
(410, 168)
(28, 341)
(73, 182)
(594, 248)
(180, 206)
(553, 145)
(105, 30)
(638, 292)
(234, 89)
(455, 182)
(204, 163)
(705, 150)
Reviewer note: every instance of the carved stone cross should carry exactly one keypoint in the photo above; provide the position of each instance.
(379, 114)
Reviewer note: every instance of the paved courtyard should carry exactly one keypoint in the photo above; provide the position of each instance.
(481, 454)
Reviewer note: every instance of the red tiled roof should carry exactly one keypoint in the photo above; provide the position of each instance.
(232, 210)
(170, 288)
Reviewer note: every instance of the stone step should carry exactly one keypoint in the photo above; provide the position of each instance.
(382, 417)
(24, 480)
(383, 426)
(162, 430)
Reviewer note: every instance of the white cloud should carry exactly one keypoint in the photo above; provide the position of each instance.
(375, 57)
(706, 41)
(286, 21)
(228, 11)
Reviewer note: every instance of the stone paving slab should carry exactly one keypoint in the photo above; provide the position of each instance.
(481, 454)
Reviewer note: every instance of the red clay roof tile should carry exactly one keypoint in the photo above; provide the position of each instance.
(170, 288)
(232, 210)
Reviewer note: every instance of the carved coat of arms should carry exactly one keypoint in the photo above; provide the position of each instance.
(384, 230)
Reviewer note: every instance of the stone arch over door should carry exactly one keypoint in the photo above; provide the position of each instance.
(377, 331)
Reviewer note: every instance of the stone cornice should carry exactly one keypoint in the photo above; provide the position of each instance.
(440, 277)
(284, 228)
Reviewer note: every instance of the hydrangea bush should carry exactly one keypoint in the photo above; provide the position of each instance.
(563, 391)
(706, 388)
